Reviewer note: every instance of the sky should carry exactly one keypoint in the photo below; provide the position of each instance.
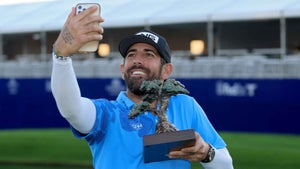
(6, 2)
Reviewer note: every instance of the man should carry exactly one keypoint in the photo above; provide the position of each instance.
(114, 139)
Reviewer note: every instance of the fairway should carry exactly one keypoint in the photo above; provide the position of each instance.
(57, 148)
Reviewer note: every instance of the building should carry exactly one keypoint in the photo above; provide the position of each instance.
(226, 27)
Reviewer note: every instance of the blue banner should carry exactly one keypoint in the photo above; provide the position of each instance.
(252, 105)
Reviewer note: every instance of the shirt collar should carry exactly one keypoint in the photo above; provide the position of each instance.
(124, 100)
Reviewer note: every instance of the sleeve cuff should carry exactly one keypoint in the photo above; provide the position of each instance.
(61, 59)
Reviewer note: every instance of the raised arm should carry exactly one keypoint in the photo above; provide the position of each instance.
(78, 111)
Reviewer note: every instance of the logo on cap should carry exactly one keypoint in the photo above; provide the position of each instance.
(153, 37)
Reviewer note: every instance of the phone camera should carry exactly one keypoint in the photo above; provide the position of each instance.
(80, 9)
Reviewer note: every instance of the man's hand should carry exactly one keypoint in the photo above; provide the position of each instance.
(76, 32)
(194, 154)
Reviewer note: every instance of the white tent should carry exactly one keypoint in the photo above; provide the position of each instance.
(51, 15)
(257, 10)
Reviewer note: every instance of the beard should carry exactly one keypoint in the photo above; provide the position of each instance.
(134, 83)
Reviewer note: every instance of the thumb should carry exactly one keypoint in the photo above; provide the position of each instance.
(73, 13)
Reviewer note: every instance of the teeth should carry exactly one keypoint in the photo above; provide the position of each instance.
(138, 73)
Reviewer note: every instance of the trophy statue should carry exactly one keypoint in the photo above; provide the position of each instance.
(167, 138)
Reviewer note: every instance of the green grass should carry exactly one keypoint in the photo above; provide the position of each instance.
(264, 151)
(57, 148)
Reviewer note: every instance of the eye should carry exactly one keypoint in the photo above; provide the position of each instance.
(130, 54)
(150, 54)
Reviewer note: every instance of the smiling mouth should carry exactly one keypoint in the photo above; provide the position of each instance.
(138, 73)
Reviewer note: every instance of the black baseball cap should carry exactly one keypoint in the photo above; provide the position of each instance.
(149, 37)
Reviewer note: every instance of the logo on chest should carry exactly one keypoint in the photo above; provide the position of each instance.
(142, 124)
(137, 125)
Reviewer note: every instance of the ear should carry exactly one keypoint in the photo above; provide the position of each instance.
(167, 70)
(122, 70)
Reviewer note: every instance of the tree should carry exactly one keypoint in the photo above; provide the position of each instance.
(161, 92)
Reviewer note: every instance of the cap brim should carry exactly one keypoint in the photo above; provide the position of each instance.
(127, 42)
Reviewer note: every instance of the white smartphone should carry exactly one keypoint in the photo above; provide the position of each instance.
(93, 45)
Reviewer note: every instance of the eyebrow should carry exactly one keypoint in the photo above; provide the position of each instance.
(131, 50)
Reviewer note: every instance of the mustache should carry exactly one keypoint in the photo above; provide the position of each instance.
(138, 67)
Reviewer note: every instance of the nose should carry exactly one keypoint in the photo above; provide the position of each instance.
(138, 59)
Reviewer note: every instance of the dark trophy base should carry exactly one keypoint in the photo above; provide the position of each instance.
(158, 146)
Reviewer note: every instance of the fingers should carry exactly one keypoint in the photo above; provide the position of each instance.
(192, 156)
(94, 27)
(87, 23)
(87, 33)
(78, 30)
(195, 153)
(91, 20)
